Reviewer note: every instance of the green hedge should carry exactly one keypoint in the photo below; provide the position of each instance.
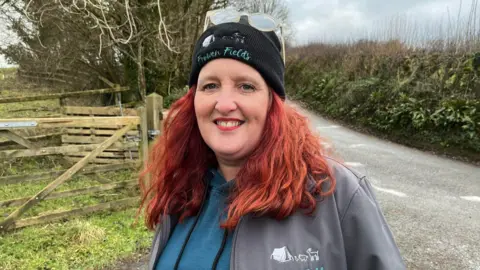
(427, 99)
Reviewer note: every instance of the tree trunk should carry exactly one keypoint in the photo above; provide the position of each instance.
(142, 86)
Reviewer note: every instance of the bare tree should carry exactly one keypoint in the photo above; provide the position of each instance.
(148, 42)
(123, 26)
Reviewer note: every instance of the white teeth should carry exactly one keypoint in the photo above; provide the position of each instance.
(228, 123)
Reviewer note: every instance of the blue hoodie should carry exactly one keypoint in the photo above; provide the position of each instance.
(207, 239)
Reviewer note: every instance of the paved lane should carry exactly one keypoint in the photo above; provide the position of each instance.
(431, 203)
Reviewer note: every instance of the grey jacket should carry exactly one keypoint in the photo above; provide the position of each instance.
(347, 231)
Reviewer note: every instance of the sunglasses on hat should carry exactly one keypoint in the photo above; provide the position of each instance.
(259, 21)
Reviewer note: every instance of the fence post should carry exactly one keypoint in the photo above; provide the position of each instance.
(142, 112)
(154, 112)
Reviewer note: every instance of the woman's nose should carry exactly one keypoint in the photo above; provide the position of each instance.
(225, 102)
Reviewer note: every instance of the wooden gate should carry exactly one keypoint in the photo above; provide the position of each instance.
(126, 148)
(93, 140)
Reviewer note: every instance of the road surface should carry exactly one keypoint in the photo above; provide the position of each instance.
(432, 204)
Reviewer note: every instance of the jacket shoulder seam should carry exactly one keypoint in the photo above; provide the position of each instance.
(351, 198)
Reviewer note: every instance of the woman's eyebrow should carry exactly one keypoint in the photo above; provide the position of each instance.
(246, 78)
(242, 77)
(207, 79)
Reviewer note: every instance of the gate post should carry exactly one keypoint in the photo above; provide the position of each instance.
(154, 113)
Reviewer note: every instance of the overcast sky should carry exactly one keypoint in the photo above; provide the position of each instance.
(337, 20)
(341, 20)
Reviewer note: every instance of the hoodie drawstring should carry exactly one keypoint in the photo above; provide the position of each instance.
(220, 250)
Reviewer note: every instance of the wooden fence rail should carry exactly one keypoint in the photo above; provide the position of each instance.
(33, 138)
(92, 169)
(94, 122)
(99, 111)
(74, 192)
(66, 149)
(7, 222)
(64, 95)
(47, 218)
(16, 138)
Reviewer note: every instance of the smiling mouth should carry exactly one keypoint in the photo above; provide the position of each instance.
(228, 124)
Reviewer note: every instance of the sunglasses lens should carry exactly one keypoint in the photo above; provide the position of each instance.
(224, 17)
(262, 22)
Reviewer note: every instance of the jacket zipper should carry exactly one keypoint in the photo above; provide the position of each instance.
(162, 239)
(234, 242)
(166, 232)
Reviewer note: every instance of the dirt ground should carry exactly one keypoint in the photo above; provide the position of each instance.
(136, 262)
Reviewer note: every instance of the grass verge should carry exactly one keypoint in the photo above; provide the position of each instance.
(97, 241)
(93, 242)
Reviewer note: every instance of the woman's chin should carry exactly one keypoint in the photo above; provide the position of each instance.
(228, 153)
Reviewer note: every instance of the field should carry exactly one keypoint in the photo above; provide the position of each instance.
(95, 241)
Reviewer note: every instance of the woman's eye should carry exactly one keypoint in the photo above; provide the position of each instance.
(209, 86)
(248, 87)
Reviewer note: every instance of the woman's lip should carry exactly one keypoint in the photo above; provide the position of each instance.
(227, 120)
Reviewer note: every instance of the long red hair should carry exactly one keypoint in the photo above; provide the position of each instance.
(272, 182)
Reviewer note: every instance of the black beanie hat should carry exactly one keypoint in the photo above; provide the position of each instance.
(242, 42)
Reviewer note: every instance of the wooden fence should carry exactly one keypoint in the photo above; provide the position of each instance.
(93, 140)
(126, 147)
(57, 76)
(63, 95)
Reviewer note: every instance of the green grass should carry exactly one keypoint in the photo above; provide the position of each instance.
(95, 241)
(21, 190)
(30, 109)
(29, 165)
(40, 108)
(8, 71)
(92, 242)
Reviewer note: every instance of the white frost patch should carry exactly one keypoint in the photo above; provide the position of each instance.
(357, 145)
(471, 198)
(390, 191)
(327, 127)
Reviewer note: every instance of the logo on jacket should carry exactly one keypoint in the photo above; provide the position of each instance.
(283, 255)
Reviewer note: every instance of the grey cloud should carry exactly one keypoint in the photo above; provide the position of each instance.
(338, 20)
(378, 8)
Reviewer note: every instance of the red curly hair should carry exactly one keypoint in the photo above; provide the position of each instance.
(272, 182)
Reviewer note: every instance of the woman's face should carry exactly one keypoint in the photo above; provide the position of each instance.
(231, 104)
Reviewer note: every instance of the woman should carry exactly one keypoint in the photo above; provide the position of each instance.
(239, 181)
